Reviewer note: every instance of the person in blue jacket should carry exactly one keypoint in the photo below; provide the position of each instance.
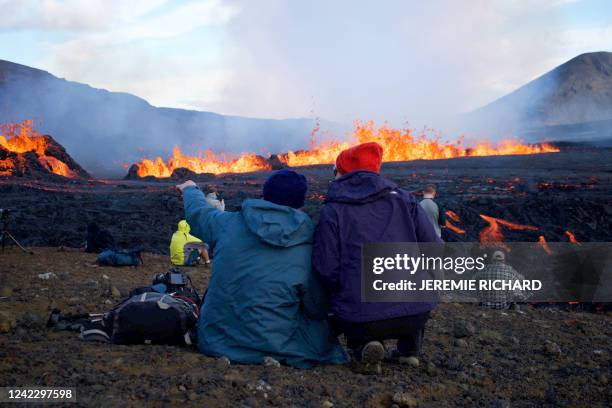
(361, 206)
(263, 300)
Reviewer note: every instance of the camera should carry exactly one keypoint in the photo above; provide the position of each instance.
(179, 284)
(174, 278)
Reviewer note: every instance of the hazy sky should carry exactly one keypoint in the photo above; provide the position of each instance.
(400, 61)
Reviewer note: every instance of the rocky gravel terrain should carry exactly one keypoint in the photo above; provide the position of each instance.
(472, 356)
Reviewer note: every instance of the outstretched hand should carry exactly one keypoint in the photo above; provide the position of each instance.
(186, 184)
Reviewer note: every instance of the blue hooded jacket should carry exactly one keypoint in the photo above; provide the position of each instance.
(262, 299)
(362, 207)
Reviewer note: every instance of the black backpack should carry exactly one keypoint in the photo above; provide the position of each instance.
(113, 257)
(180, 292)
(153, 318)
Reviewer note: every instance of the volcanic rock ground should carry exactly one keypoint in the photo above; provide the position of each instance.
(523, 357)
(555, 192)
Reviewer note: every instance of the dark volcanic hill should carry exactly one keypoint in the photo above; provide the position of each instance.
(103, 130)
(47, 160)
(578, 91)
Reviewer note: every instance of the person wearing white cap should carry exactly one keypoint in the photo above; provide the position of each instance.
(498, 270)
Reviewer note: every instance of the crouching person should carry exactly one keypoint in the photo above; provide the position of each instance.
(185, 249)
(361, 207)
(262, 299)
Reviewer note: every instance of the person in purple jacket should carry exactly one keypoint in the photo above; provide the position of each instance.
(362, 206)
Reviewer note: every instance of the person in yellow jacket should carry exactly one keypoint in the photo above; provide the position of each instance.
(183, 243)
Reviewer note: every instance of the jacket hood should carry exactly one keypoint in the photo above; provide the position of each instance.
(277, 225)
(184, 227)
(359, 187)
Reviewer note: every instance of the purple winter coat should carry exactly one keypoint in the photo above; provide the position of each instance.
(361, 207)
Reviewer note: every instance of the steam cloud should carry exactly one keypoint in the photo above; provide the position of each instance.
(415, 63)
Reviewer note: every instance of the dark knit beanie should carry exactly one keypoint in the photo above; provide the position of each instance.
(286, 187)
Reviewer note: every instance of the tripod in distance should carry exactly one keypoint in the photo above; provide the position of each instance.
(5, 234)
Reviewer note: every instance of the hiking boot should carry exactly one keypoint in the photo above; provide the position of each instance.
(372, 352)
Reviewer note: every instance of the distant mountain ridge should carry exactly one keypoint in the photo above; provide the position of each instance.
(578, 91)
(103, 130)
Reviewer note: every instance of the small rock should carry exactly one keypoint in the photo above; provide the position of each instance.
(6, 291)
(404, 399)
(461, 343)
(182, 388)
(463, 329)
(431, 369)
(327, 404)
(47, 275)
(104, 276)
(115, 293)
(108, 302)
(271, 362)
(515, 340)
(91, 283)
(223, 363)
(7, 322)
(118, 362)
(552, 348)
(411, 361)
(260, 385)
(192, 396)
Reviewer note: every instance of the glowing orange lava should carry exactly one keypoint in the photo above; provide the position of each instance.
(398, 145)
(572, 238)
(22, 138)
(206, 163)
(544, 245)
(453, 216)
(403, 145)
(492, 235)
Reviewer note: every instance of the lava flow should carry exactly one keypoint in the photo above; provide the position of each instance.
(402, 145)
(19, 139)
(492, 235)
(398, 145)
(453, 216)
(544, 245)
(206, 163)
(572, 238)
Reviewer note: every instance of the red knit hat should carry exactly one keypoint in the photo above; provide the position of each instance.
(366, 156)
